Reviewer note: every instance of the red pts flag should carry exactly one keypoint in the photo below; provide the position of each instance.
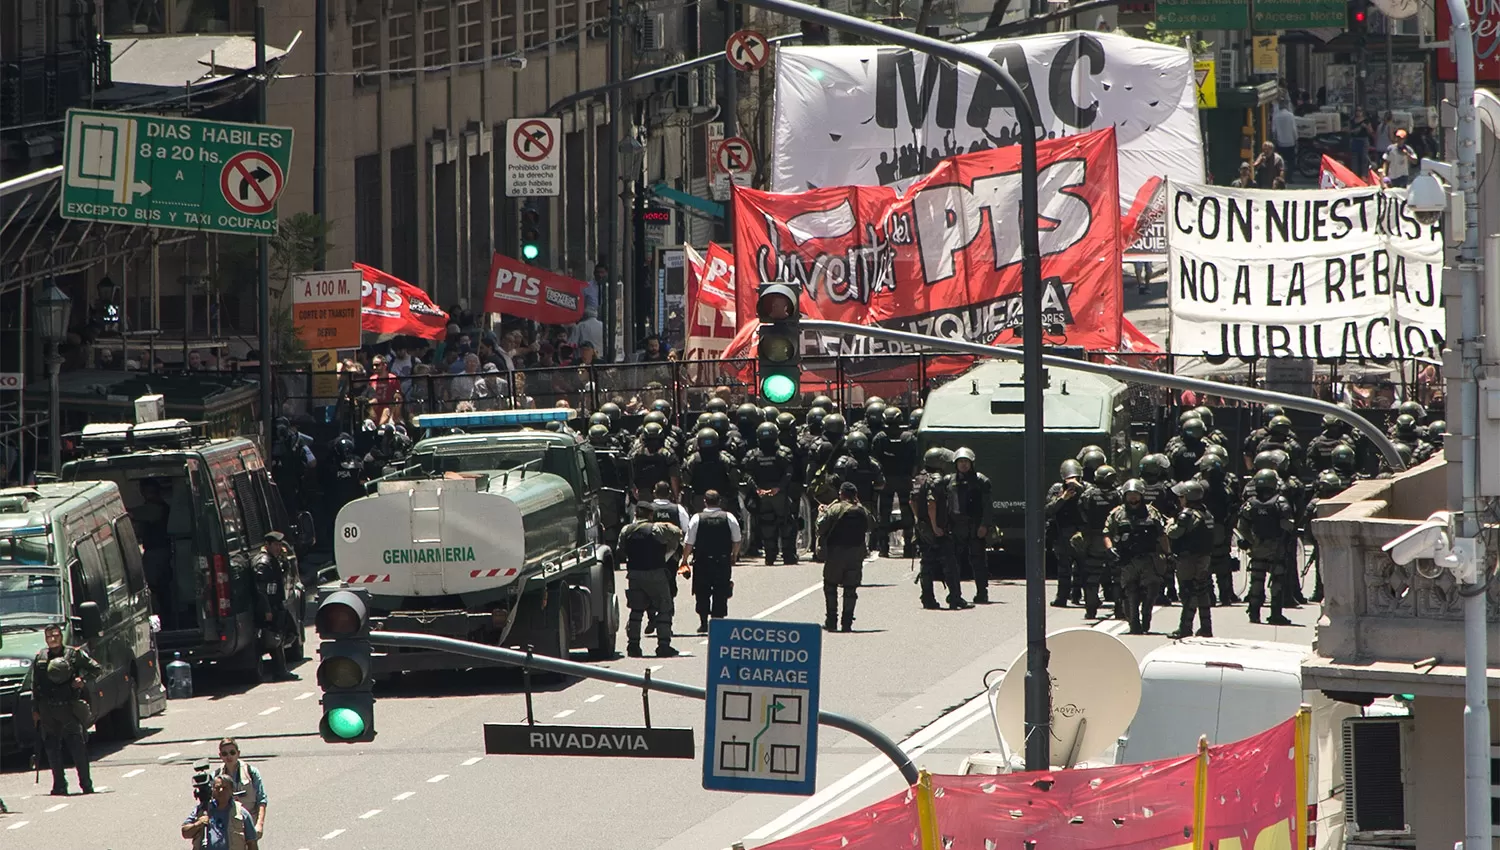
(1335, 175)
(944, 259)
(528, 292)
(390, 305)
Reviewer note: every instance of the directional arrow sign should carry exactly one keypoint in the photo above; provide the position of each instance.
(159, 171)
(747, 50)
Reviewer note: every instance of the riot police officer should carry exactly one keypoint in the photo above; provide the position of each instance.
(277, 629)
(1407, 408)
(747, 417)
(710, 468)
(347, 471)
(1205, 414)
(895, 449)
(811, 429)
(1192, 534)
(843, 530)
(1408, 434)
(1064, 520)
(786, 425)
(614, 482)
(768, 469)
(647, 547)
(874, 419)
(822, 482)
(291, 459)
(1219, 500)
(1327, 487)
(1320, 448)
(1266, 525)
(1184, 455)
(971, 518)
(929, 506)
(860, 468)
(651, 462)
(1137, 537)
(59, 682)
(1089, 544)
(1345, 465)
(1251, 446)
(712, 542)
(1156, 480)
(1091, 458)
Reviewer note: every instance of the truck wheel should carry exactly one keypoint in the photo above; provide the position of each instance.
(607, 632)
(553, 634)
(125, 721)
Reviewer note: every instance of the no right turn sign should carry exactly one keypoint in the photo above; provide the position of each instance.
(533, 157)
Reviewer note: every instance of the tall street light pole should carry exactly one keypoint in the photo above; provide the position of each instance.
(1038, 684)
(53, 311)
(611, 257)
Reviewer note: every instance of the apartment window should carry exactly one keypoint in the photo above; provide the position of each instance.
(400, 37)
(445, 229)
(366, 35)
(597, 11)
(406, 228)
(536, 23)
(369, 224)
(435, 36)
(470, 30)
(502, 27)
(567, 18)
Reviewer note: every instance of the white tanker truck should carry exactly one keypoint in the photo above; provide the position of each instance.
(490, 533)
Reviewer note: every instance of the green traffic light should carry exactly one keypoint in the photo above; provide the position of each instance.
(778, 389)
(530, 251)
(345, 723)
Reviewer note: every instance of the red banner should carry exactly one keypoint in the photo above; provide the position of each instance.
(1335, 175)
(711, 306)
(1484, 21)
(944, 258)
(390, 305)
(1247, 791)
(528, 292)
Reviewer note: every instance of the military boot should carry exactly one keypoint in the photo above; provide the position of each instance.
(1255, 614)
(1184, 625)
(830, 607)
(1205, 622)
(1145, 618)
(1277, 618)
(850, 597)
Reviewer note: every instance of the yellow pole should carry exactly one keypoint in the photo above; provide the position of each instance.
(927, 814)
(1200, 794)
(1302, 756)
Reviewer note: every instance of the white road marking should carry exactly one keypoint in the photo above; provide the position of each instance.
(622, 685)
(473, 761)
(370, 814)
(332, 835)
(787, 601)
(57, 808)
(270, 711)
(703, 642)
(233, 726)
(595, 698)
(308, 695)
(439, 778)
(564, 713)
(137, 772)
(18, 824)
(404, 795)
(168, 756)
(197, 743)
(654, 667)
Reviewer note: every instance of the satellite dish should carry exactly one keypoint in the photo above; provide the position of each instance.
(1398, 9)
(1096, 689)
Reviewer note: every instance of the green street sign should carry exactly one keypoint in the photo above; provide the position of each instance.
(1203, 14)
(160, 171)
(1300, 14)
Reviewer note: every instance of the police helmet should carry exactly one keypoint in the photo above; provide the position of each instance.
(937, 459)
(1134, 485)
(705, 420)
(1436, 430)
(557, 426)
(656, 416)
(1404, 451)
(858, 444)
(1070, 469)
(1406, 424)
(874, 399)
(892, 416)
(824, 402)
(1193, 429)
(815, 417)
(1266, 481)
(747, 416)
(1190, 489)
(834, 425)
(1086, 451)
(708, 440)
(719, 421)
(1332, 423)
(599, 435)
(1329, 484)
(1412, 409)
(716, 405)
(1205, 413)
(1281, 426)
(1216, 450)
(767, 434)
(786, 422)
(611, 410)
(1210, 462)
(59, 670)
(1155, 466)
(343, 444)
(652, 434)
(1105, 477)
(1281, 460)
(1271, 411)
(1185, 415)
(875, 413)
(916, 418)
(1342, 458)
(599, 418)
(1092, 460)
(770, 412)
(964, 453)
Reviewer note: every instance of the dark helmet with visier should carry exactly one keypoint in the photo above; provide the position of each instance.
(1134, 486)
(1271, 411)
(1329, 484)
(599, 435)
(824, 402)
(916, 417)
(874, 399)
(1216, 449)
(892, 416)
(1191, 489)
(653, 434)
(875, 413)
(708, 440)
(1087, 450)
(1412, 409)
(656, 416)
(1193, 429)
(599, 418)
(1205, 413)
(1274, 459)
(747, 416)
(834, 425)
(786, 422)
(964, 453)
(858, 444)
(1210, 462)
(1070, 469)
(1333, 423)
(59, 670)
(1436, 430)
(1185, 415)
(1155, 467)
(770, 412)
(937, 459)
(1343, 458)
(611, 410)
(767, 434)
(664, 406)
(716, 405)
(719, 421)
(705, 420)
(1092, 460)
(1266, 481)
(1406, 424)
(815, 417)
(1105, 477)
(1281, 426)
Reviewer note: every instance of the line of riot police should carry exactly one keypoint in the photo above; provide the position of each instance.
(1170, 535)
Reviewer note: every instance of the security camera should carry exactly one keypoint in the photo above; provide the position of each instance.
(1431, 541)
(1427, 198)
(515, 63)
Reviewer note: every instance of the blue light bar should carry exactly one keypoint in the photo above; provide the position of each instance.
(496, 418)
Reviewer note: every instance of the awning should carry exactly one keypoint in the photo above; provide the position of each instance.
(1388, 677)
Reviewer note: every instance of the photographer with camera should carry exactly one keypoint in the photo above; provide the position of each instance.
(219, 822)
(249, 788)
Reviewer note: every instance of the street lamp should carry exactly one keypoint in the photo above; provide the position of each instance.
(53, 310)
(632, 195)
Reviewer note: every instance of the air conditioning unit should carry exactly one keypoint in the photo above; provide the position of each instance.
(652, 35)
(689, 94)
(1375, 778)
(708, 77)
(1227, 69)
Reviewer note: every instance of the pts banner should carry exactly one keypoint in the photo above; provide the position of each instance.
(944, 259)
(528, 292)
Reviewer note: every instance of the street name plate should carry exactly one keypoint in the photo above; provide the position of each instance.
(641, 742)
(761, 733)
(159, 171)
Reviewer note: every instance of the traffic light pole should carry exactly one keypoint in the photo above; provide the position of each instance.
(531, 661)
(1038, 684)
(1127, 373)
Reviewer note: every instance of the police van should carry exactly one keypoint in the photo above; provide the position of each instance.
(202, 508)
(68, 556)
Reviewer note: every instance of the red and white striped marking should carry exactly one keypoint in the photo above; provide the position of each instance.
(491, 573)
(367, 579)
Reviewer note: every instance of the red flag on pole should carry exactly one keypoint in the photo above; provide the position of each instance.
(390, 305)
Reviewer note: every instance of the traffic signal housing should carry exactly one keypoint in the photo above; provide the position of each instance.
(1359, 15)
(779, 350)
(533, 247)
(345, 668)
